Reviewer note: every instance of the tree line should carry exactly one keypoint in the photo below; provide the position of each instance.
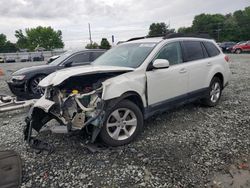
(230, 27)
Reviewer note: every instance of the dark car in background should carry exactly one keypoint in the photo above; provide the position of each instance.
(24, 82)
(227, 46)
(38, 56)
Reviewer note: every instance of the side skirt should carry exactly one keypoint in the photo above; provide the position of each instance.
(174, 102)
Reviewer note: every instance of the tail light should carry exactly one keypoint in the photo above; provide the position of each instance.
(226, 58)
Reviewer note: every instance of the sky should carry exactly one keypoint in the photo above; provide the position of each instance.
(122, 18)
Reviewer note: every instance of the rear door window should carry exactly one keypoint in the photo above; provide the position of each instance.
(192, 50)
(212, 50)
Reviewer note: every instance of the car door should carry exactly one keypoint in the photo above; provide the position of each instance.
(168, 84)
(198, 65)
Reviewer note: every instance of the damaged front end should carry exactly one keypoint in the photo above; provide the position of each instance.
(76, 104)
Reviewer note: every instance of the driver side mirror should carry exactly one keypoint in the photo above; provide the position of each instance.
(160, 63)
(68, 64)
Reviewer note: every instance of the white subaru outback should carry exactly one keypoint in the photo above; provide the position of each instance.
(112, 97)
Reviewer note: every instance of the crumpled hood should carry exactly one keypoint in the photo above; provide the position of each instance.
(58, 77)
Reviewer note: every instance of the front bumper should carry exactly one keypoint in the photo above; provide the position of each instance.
(19, 89)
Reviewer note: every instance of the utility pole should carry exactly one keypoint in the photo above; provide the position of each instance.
(113, 40)
(218, 32)
(90, 39)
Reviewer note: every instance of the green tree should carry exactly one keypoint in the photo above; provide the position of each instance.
(105, 44)
(207, 23)
(185, 30)
(5, 45)
(243, 22)
(159, 29)
(3, 40)
(9, 47)
(92, 46)
(22, 41)
(45, 37)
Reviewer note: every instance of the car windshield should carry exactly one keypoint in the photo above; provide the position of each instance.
(61, 58)
(126, 55)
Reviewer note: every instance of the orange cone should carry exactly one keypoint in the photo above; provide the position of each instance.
(1, 72)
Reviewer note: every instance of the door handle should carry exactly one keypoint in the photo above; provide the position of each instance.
(209, 64)
(183, 70)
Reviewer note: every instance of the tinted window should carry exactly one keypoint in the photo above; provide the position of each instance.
(212, 50)
(79, 58)
(171, 52)
(205, 53)
(193, 50)
(95, 55)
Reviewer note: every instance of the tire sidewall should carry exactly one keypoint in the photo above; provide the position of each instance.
(34, 95)
(122, 104)
(213, 81)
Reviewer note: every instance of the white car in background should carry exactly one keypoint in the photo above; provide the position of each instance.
(130, 83)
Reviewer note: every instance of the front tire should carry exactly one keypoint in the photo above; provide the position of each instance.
(122, 124)
(214, 92)
(35, 90)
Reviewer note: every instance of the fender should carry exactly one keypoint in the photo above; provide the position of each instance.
(125, 83)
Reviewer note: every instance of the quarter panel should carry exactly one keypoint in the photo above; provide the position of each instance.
(219, 66)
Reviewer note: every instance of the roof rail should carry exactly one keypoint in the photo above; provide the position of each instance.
(175, 35)
(195, 35)
(136, 38)
(144, 37)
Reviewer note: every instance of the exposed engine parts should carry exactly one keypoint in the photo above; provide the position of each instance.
(75, 108)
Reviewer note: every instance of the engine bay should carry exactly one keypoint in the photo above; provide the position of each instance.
(76, 104)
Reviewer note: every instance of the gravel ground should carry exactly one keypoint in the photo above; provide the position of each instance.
(191, 146)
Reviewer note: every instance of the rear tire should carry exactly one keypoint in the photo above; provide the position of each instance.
(214, 92)
(122, 124)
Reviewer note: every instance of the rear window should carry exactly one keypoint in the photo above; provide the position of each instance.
(212, 50)
(192, 50)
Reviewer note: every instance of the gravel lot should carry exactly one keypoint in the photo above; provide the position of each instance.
(192, 146)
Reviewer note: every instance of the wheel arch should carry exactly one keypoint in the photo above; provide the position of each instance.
(32, 77)
(129, 95)
(220, 76)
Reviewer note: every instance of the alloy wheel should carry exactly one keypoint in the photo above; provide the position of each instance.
(215, 92)
(121, 124)
(35, 88)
